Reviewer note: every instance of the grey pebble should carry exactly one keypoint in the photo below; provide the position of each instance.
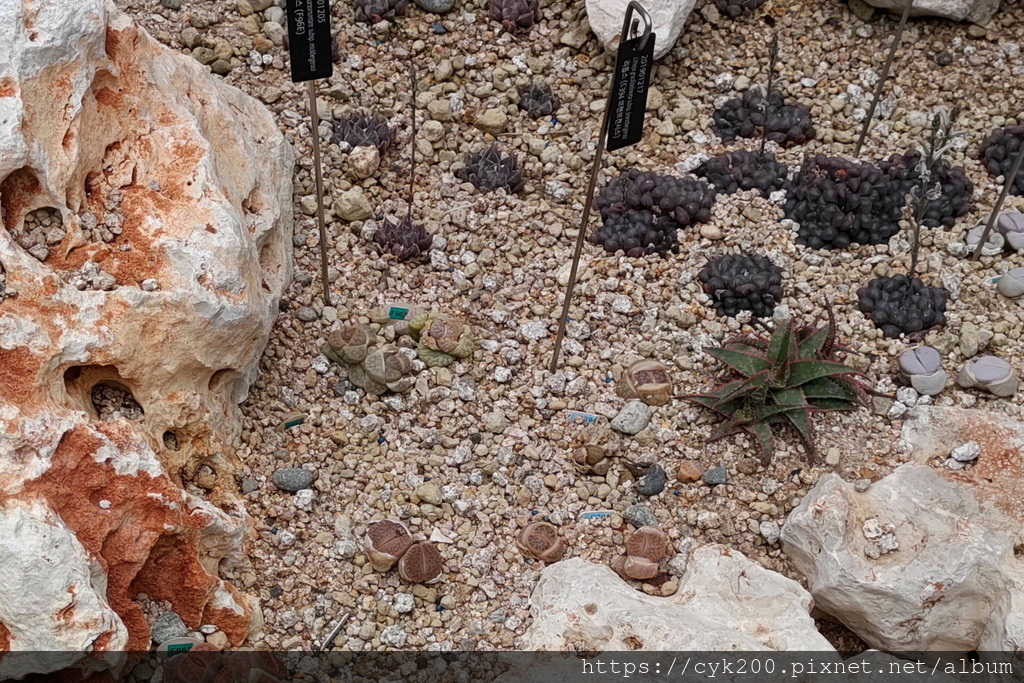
(171, 4)
(249, 485)
(293, 479)
(306, 314)
(639, 516)
(652, 483)
(633, 417)
(715, 476)
(436, 6)
(166, 626)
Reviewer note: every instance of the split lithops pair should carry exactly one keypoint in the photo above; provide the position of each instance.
(646, 547)
(377, 370)
(990, 374)
(1010, 225)
(921, 367)
(994, 245)
(647, 380)
(388, 542)
(442, 341)
(540, 540)
(594, 445)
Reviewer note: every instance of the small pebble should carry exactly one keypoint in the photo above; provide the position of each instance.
(715, 476)
(652, 483)
(293, 479)
(639, 515)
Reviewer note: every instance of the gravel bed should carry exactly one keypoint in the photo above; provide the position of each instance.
(492, 432)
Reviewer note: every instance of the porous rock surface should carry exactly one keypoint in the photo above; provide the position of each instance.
(978, 11)
(913, 563)
(668, 17)
(724, 602)
(98, 118)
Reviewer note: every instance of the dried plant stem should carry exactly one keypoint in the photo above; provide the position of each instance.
(412, 146)
(773, 55)
(999, 203)
(881, 79)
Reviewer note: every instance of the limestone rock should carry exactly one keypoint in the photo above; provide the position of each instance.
(724, 602)
(201, 179)
(668, 16)
(978, 11)
(912, 563)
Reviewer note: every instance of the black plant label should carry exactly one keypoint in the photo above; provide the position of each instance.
(633, 68)
(309, 39)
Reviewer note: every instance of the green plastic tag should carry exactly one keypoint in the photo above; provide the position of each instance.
(397, 313)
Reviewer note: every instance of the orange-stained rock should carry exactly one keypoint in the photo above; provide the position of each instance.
(173, 310)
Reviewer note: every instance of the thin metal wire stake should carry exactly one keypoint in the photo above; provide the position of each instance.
(885, 75)
(999, 203)
(315, 115)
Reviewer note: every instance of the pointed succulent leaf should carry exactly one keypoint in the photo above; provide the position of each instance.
(825, 405)
(752, 388)
(741, 361)
(762, 433)
(825, 387)
(781, 354)
(789, 397)
(803, 371)
(810, 346)
(801, 420)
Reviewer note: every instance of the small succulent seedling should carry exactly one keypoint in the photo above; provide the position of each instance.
(376, 11)
(493, 169)
(646, 547)
(442, 341)
(389, 366)
(781, 380)
(538, 100)
(540, 540)
(348, 345)
(594, 445)
(361, 128)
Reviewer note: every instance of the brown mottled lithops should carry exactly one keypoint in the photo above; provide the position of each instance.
(443, 341)
(644, 550)
(647, 380)
(386, 541)
(348, 344)
(594, 445)
(421, 563)
(389, 366)
(540, 540)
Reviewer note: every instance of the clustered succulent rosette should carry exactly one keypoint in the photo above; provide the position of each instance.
(594, 446)
(493, 169)
(361, 128)
(388, 542)
(442, 340)
(642, 211)
(782, 380)
(376, 11)
(955, 188)
(375, 369)
(541, 541)
(513, 14)
(737, 8)
(999, 151)
(902, 305)
(742, 282)
(742, 169)
(837, 202)
(538, 100)
(403, 239)
(745, 116)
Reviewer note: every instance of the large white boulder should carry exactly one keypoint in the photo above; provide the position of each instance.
(724, 602)
(978, 11)
(912, 563)
(669, 18)
(145, 245)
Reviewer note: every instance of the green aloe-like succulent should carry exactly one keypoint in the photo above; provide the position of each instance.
(782, 380)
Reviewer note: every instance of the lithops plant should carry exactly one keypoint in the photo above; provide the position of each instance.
(647, 380)
(390, 367)
(540, 540)
(421, 563)
(1011, 284)
(385, 543)
(349, 344)
(1011, 226)
(921, 367)
(443, 341)
(993, 246)
(201, 663)
(990, 374)
(645, 548)
(594, 446)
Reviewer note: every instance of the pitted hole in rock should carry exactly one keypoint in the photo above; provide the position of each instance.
(20, 194)
(171, 441)
(590, 608)
(101, 391)
(113, 401)
(633, 643)
(222, 378)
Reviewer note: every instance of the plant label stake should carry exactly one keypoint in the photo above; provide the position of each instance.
(1010, 177)
(621, 126)
(882, 78)
(309, 47)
